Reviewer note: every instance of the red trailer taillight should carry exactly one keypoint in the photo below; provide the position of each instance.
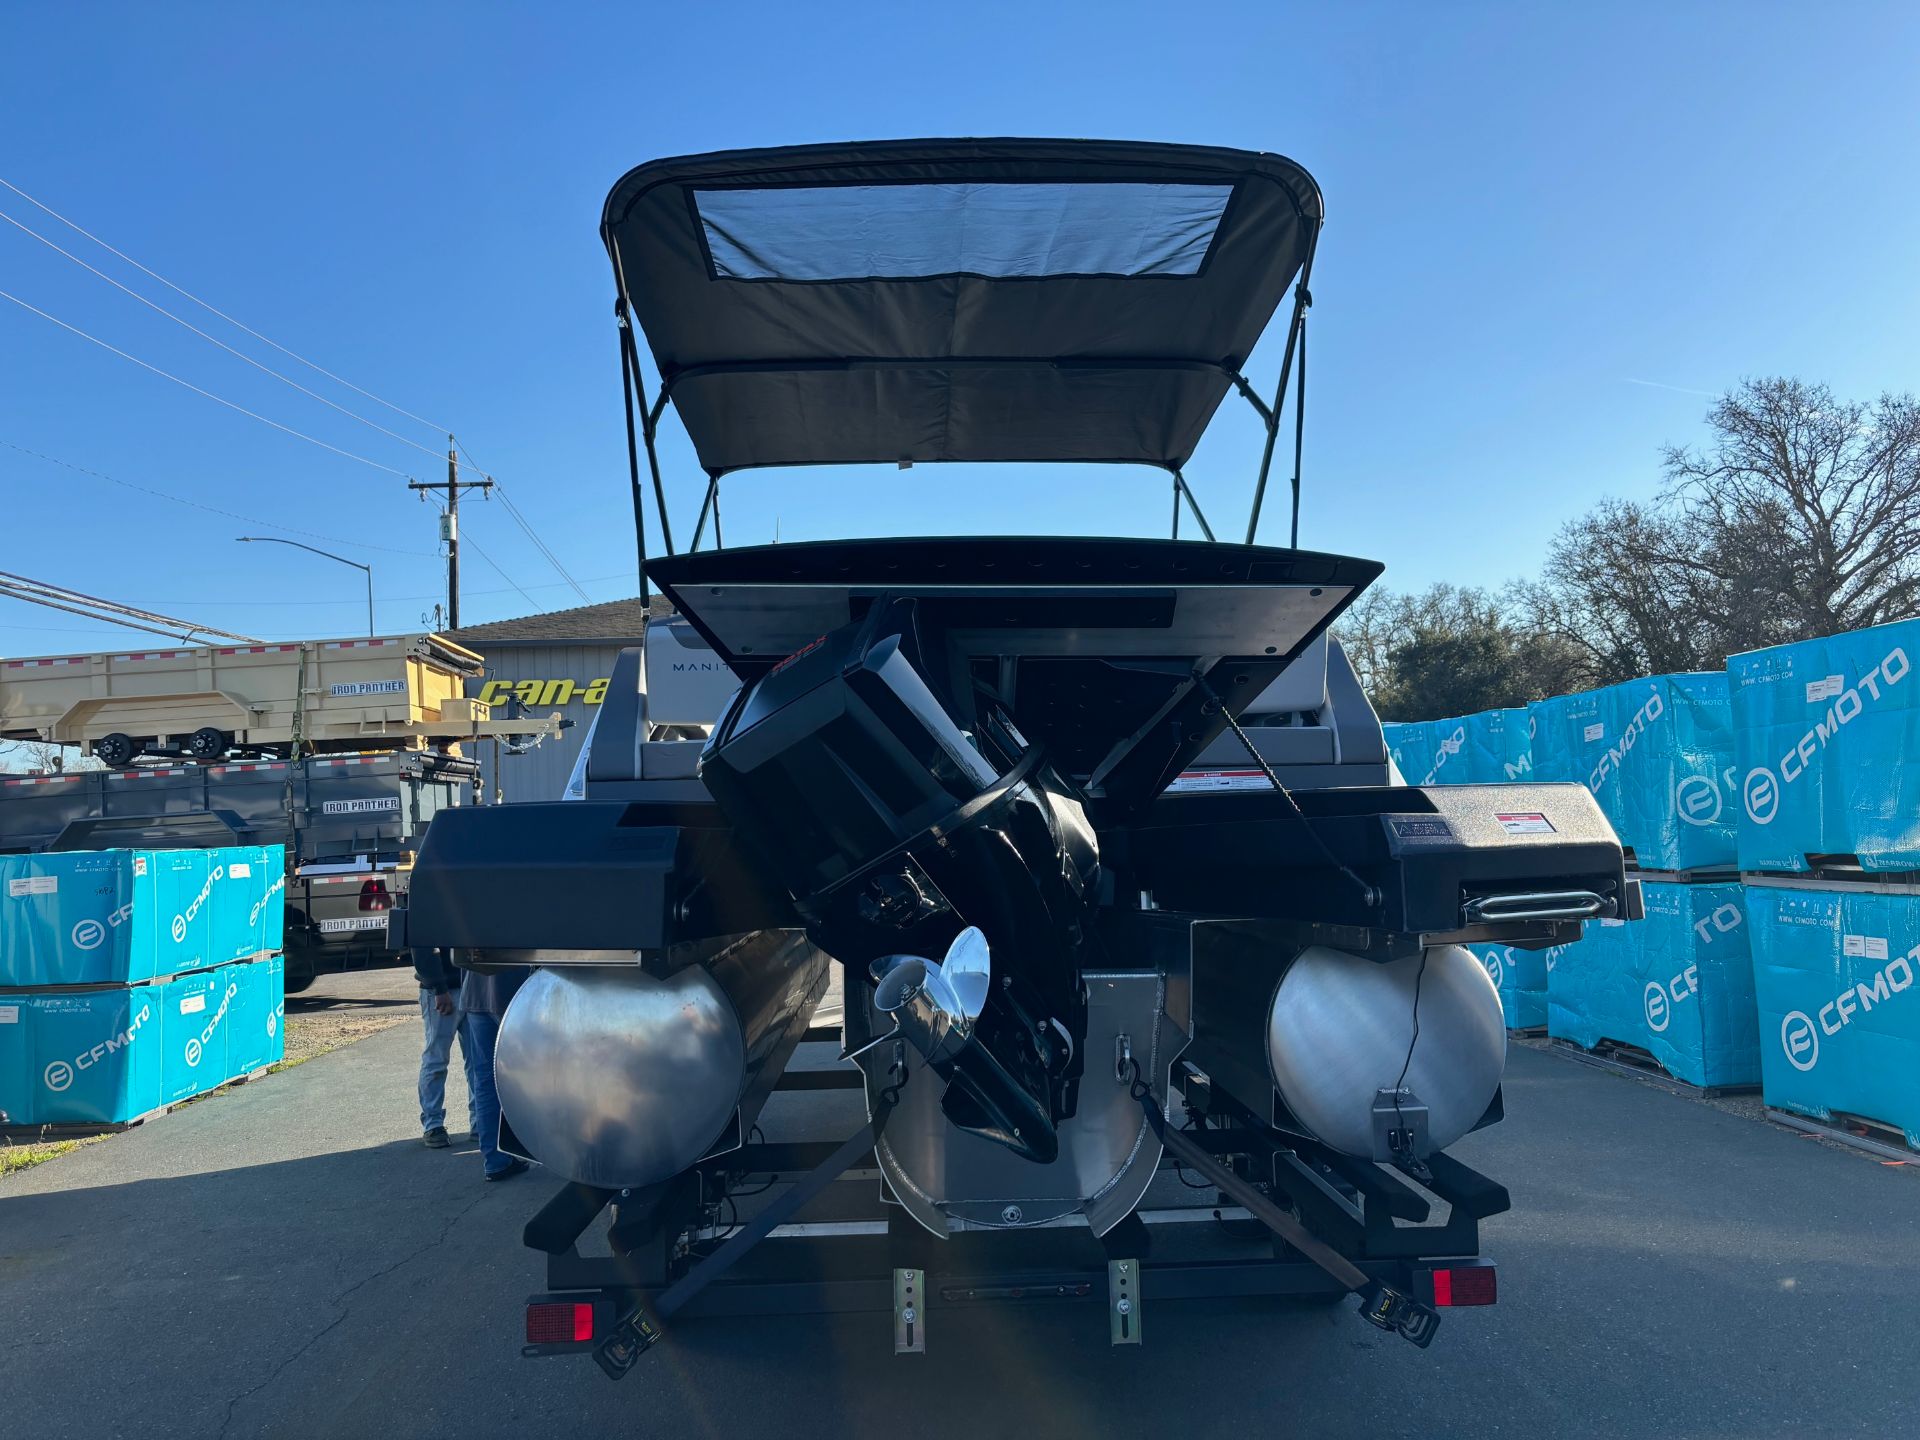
(559, 1322)
(374, 896)
(1465, 1285)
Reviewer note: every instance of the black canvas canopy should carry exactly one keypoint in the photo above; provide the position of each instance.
(930, 300)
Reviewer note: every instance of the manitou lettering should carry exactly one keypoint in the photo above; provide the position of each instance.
(1763, 786)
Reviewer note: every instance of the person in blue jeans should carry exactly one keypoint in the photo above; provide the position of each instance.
(483, 1000)
(440, 1023)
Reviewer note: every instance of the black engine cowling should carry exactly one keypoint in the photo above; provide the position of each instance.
(900, 805)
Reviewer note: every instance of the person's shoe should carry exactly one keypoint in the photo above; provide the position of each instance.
(507, 1171)
(435, 1139)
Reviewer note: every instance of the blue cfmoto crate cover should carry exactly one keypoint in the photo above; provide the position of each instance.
(1678, 984)
(1521, 978)
(1658, 756)
(65, 919)
(1501, 746)
(1827, 748)
(1430, 752)
(86, 1057)
(258, 1037)
(1410, 746)
(104, 917)
(248, 913)
(1837, 974)
(197, 1014)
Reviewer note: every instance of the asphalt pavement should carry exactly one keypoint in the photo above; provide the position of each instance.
(285, 1259)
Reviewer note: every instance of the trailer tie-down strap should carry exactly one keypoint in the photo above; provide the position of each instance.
(637, 1331)
(1380, 1304)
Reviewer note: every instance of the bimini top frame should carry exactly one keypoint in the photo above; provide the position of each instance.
(956, 300)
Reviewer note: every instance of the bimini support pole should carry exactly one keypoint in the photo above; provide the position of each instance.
(709, 503)
(1296, 331)
(635, 384)
(1181, 488)
(633, 456)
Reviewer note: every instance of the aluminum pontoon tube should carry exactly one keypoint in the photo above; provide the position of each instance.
(615, 1077)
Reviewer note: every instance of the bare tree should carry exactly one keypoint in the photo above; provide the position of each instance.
(1824, 494)
(1799, 518)
(43, 757)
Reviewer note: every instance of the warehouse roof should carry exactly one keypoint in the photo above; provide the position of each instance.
(616, 620)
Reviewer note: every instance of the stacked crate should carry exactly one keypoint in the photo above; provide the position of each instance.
(1827, 739)
(132, 979)
(1675, 989)
(1493, 747)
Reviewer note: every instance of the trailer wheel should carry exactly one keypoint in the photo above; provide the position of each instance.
(115, 750)
(208, 744)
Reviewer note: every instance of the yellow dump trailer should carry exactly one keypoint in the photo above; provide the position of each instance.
(208, 702)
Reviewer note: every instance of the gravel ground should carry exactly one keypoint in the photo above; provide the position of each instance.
(340, 1009)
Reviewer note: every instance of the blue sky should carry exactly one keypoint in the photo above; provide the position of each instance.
(1550, 229)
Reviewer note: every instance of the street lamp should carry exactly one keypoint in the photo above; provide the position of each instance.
(368, 569)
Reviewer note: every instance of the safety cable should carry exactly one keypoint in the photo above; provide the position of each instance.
(1369, 896)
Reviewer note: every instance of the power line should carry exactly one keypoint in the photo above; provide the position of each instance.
(398, 410)
(501, 573)
(539, 544)
(513, 510)
(188, 384)
(522, 521)
(249, 600)
(214, 340)
(209, 509)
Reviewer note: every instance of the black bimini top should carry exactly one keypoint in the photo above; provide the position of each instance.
(928, 300)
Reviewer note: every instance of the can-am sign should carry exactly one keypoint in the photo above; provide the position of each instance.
(1763, 786)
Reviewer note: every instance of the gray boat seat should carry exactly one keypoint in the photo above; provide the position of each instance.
(674, 687)
(1313, 725)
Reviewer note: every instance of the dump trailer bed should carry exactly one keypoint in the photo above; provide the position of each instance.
(207, 702)
(350, 825)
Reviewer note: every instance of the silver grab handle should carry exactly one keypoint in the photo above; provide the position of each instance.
(1536, 905)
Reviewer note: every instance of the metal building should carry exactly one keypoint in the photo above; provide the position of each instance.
(560, 661)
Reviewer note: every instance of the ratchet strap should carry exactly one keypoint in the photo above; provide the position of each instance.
(636, 1332)
(1380, 1304)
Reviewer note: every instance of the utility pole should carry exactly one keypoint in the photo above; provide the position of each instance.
(453, 485)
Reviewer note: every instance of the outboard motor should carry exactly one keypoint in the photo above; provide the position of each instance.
(902, 836)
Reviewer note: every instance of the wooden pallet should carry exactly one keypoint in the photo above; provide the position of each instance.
(1841, 869)
(1625, 1059)
(1713, 875)
(86, 1129)
(1872, 1137)
(96, 987)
